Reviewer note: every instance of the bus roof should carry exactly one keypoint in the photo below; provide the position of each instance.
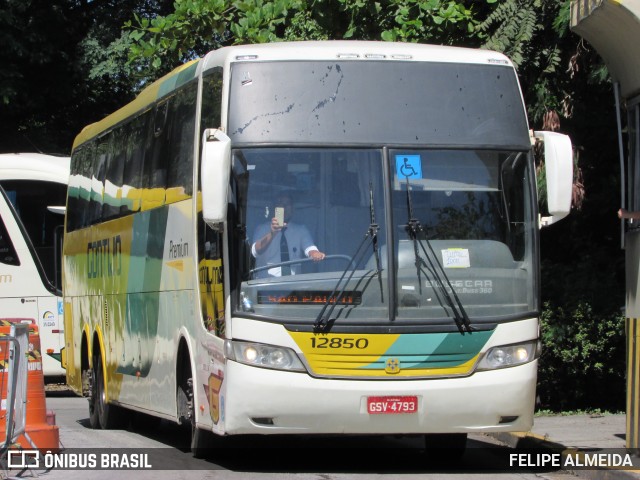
(34, 166)
(305, 50)
(352, 50)
(156, 90)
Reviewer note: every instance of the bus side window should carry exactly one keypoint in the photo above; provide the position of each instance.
(112, 199)
(84, 218)
(8, 253)
(181, 121)
(73, 192)
(132, 181)
(211, 99)
(211, 279)
(97, 180)
(154, 180)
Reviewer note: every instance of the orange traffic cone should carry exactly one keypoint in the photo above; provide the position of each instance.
(40, 423)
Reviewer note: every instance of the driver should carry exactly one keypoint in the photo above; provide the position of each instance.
(275, 243)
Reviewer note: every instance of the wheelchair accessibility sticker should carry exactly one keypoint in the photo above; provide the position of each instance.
(408, 166)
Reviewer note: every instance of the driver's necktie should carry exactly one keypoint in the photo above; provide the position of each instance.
(284, 254)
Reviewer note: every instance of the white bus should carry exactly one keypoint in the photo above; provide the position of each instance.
(406, 298)
(32, 198)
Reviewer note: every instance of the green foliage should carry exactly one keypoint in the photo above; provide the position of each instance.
(409, 20)
(35, 80)
(511, 27)
(305, 26)
(63, 66)
(177, 37)
(160, 43)
(583, 363)
(107, 67)
(531, 33)
(583, 359)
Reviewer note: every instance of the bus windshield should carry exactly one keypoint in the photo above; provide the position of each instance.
(33, 201)
(376, 103)
(473, 234)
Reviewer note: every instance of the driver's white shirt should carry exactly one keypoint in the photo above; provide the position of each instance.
(299, 242)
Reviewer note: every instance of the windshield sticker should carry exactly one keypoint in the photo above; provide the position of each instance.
(408, 166)
(456, 258)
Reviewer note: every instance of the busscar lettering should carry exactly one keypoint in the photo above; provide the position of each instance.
(464, 286)
(104, 257)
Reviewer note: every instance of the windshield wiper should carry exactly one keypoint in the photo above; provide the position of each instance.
(414, 228)
(322, 322)
(373, 232)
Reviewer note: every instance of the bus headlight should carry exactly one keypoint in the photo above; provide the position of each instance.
(265, 356)
(509, 355)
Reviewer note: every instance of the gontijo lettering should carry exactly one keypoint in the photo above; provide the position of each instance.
(104, 257)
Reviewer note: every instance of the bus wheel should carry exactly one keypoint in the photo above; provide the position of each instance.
(445, 446)
(199, 437)
(101, 414)
(94, 417)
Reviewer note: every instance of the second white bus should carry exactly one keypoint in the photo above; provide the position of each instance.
(32, 200)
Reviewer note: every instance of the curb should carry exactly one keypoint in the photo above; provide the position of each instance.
(529, 440)
(526, 440)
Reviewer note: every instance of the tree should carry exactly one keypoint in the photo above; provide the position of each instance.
(36, 85)
(57, 75)
(160, 43)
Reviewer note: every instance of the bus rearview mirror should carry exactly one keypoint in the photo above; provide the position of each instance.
(214, 174)
(558, 159)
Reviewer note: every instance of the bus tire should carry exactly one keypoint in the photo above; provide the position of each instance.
(199, 438)
(94, 419)
(101, 414)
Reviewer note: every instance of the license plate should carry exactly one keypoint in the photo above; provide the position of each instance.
(404, 404)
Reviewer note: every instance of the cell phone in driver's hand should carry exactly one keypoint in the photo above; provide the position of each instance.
(280, 216)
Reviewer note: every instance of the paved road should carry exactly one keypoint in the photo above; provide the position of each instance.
(267, 458)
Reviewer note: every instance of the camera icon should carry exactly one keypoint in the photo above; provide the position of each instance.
(21, 459)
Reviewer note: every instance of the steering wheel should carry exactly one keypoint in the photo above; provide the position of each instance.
(344, 258)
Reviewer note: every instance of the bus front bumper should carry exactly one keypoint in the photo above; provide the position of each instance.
(261, 401)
